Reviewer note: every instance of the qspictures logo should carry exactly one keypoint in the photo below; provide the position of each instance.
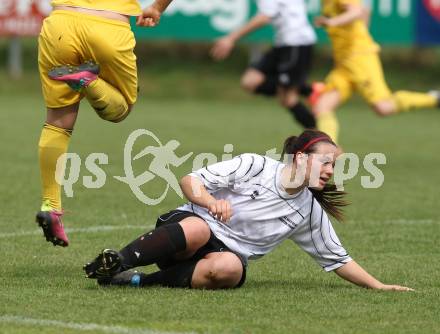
(157, 161)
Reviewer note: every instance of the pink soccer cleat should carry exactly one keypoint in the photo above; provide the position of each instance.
(77, 77)
(53, 229)
(317, 89)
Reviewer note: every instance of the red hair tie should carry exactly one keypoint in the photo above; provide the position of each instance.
(313, 141)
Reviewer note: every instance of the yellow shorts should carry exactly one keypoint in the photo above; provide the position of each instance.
(360, 73)
(72, 38)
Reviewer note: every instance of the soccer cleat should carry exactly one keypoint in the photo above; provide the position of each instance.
(317, 89)
(125, 278)
(77, 77)
(436, 94)
(106, 265)
(53, 229)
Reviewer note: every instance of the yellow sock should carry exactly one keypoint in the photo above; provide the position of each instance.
(107, 101)
(409, 100)
(53, 143)
(327, 122)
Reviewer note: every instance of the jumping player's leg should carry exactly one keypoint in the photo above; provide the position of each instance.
(114, 93)
(107, 101)
(61, 44)
(107, 75)
(54, 141)
(62, 109)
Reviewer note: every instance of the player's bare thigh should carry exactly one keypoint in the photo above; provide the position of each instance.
(386, 107)
(327, 102)
(197, 234)
(219, 270)
(251, 79)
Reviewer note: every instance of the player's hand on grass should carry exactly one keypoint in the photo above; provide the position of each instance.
(150, 17)
(220, 209)
(222, 48)
(388, 287)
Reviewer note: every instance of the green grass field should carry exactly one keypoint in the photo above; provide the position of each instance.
(392, 231)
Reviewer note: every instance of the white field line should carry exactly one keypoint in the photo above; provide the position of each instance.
(90, 229)
(24, 321)
(104, 228)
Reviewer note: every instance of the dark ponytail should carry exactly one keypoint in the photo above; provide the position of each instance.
(331, 199)
(289, 146)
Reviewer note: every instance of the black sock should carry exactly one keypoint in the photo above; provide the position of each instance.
(305, 90)
(268, 87)
(303, 115)
(178, 276)
(158, 244)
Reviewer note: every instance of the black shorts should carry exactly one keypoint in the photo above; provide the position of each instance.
(212, 246)
(290, 65)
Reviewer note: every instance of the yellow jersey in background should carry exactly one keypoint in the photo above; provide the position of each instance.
(350, 38)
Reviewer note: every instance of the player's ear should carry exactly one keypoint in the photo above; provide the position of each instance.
(300, 158)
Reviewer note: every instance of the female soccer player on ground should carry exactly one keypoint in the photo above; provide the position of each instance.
(240, 210)
(284, 69)
(357, 68)
(95, 38)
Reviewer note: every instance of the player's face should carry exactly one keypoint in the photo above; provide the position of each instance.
(320, 165)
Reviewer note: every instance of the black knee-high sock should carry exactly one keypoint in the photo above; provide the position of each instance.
(303, 115)
(305, 90)
(178, 276)
(158, 244)
(268, 87)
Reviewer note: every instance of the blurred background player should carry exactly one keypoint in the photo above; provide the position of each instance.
(85, 49)
(240, 210)
(284, 69)
(357, 67)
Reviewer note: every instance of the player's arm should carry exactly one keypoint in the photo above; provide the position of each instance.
(355, 274)
(366, 15)
(318, 238)
(151, 15)
(223, 47)
(195, 191)
(352, 12)
(198, 186)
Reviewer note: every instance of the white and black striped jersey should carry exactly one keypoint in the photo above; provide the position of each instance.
(290, 21)
(264, 214)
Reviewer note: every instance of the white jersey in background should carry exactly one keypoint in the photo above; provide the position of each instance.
(264, 214)
(290, 21)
